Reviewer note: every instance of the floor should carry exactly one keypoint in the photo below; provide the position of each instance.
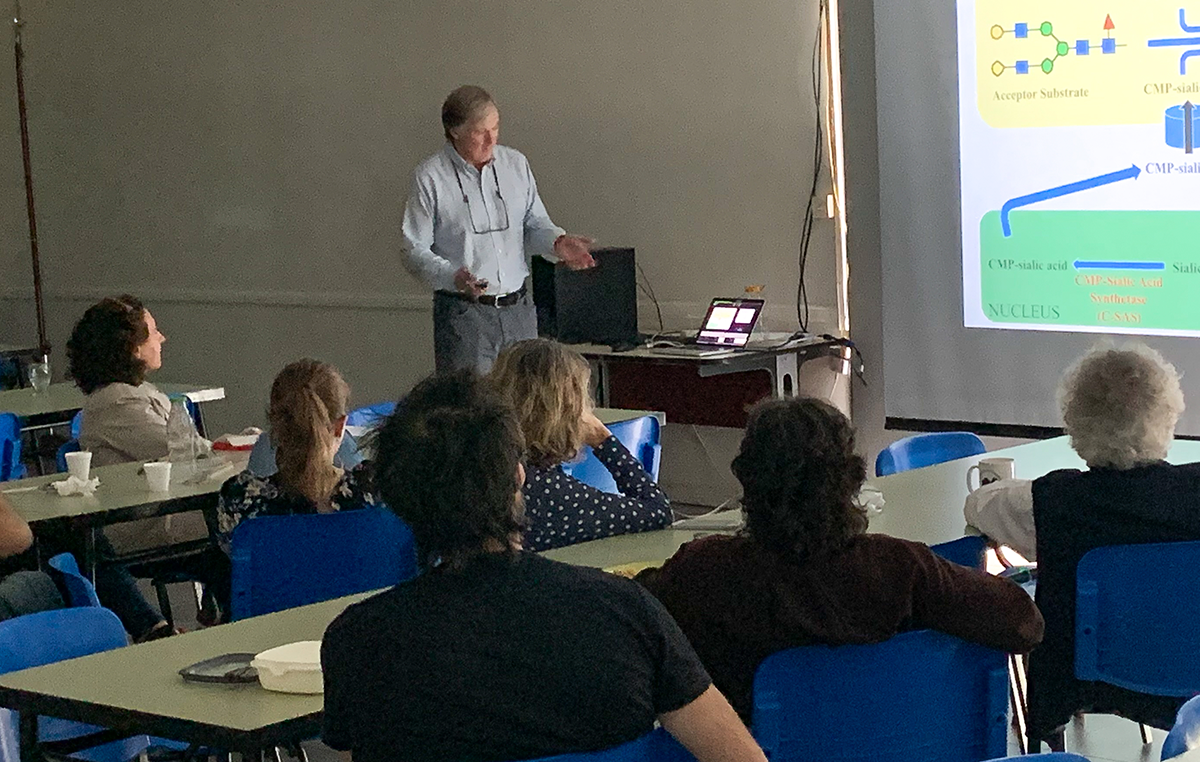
(1106, 738)
(1102, 738)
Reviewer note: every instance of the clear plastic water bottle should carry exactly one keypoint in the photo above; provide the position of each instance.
(39, 375)
(181, 437)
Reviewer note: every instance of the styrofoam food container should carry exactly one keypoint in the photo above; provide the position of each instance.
(291, 668)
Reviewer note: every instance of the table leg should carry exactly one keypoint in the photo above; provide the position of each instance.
(600, 375)
(786, 374)
(31, 751)
(89, 553)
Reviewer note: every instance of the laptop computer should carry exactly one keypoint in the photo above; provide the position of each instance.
(726, 328)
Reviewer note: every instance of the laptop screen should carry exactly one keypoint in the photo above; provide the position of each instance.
(729, 322)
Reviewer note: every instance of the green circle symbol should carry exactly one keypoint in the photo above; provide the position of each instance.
(1047, 66)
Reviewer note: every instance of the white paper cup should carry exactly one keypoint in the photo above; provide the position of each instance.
(158, 476)
(79, 464)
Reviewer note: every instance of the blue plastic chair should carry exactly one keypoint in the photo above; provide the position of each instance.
(641, 436)
(1185, 734)
(71, 445)
(80, 590)
(927, 450)
(262, 456)
(51, 636)
(280, 562)
(920, 695)
(965, 551)
(11, 466)
(656, 746)
(1137, 618)
(370, 415)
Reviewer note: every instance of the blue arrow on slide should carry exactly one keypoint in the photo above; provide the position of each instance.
(1092, 182)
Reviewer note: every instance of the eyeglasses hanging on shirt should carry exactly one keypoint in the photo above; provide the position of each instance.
(501, 206)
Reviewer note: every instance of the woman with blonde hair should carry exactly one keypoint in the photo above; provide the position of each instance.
(1119, 406)
(307, 416)
(547, 383)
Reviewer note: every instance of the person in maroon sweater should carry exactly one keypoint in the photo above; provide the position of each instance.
(804, 571)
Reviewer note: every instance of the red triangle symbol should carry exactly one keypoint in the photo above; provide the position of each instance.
(1108, 24)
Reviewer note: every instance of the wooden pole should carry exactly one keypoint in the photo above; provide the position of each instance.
(43, 343)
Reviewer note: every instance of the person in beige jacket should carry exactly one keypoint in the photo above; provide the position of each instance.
(111, 350)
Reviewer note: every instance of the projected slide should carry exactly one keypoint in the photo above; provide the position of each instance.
(1079, 124)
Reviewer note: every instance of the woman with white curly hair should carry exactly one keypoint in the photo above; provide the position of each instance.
(1119, 407)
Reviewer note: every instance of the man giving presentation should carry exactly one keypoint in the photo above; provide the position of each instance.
(472, 221)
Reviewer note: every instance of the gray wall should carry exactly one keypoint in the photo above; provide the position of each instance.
(242, 166)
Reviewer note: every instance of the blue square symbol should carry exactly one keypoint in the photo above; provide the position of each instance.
(1109, 45)
(1022, 67)
(1081, 47)
(1021, 30)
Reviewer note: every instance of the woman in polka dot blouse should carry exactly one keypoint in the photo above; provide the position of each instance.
(548, 385)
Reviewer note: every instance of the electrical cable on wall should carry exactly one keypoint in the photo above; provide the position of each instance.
(646, 288)
(810, 211)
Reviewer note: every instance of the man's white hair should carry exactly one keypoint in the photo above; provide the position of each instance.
(1120, 406)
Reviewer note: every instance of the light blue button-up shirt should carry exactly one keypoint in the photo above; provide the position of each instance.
(439, 225)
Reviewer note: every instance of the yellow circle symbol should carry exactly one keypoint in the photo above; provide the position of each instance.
(997, 32)
(997, 68)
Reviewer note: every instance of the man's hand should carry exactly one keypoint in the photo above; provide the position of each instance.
(468, 284)
(574, 251)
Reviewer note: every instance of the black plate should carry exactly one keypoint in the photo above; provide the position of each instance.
(227, 668)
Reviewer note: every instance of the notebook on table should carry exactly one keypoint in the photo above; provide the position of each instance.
(726, 328)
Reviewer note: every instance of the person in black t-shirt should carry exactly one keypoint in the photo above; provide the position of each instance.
(495, 654)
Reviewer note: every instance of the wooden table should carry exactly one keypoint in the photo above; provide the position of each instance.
(925, 505)
(782, 364)
(138, 689)
(122, 496)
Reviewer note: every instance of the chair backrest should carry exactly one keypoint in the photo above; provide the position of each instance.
(80, 590)
(280, 562)
(1185, 735)
(656, 746)
(71, 445)
(641, 436)
(262, 456)
(1137, 618)
(49, 636)
(920, 695)
(369, 415)
(10, 447)
(965, 551)
(927, 450)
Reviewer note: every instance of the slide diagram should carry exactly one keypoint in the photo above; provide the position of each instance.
(1080, 167)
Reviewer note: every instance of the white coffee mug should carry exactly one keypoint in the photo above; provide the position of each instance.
(79, 464)
(990, 470)
(158, 476)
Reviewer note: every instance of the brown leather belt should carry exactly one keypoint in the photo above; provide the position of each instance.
(487, 300)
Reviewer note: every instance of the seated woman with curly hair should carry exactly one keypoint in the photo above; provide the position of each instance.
(1119, 406)
(547, 383)
(804, 571)
(112, 349)
(114, 346)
